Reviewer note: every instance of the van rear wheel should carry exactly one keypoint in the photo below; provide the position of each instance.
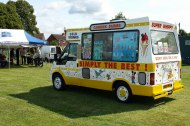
(58, 82)
(123, 93)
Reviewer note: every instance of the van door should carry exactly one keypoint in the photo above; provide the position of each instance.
(69, 66)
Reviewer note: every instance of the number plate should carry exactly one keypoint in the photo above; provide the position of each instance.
(167, 86)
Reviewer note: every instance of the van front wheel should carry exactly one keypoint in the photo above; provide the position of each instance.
(58, 82)
(123, 93)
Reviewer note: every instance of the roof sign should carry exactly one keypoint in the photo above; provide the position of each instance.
(107, 26)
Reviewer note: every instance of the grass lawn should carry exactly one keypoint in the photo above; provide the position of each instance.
(28, 99)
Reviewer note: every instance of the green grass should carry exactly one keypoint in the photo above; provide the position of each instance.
(28, 99)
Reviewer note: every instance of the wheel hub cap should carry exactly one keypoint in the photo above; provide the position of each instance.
(57, 82)
(122, 93)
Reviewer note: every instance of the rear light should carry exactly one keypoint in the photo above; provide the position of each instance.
(152, 79)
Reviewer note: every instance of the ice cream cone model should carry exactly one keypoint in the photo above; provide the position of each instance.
(144, 43)
(144, 48)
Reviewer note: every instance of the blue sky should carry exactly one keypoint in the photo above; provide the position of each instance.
(53, 15)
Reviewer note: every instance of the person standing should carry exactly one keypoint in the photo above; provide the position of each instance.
(37, 56)
(23, 56)
(12, 56)
(17, 56)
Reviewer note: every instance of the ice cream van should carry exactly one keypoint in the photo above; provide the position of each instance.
(129, 57)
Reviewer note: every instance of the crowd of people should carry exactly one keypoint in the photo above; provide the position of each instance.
(29, 54)
(24, 56)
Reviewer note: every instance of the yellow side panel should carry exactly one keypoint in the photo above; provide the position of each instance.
(97, 84)
(73, 81)
(141, 90)
(103, 85)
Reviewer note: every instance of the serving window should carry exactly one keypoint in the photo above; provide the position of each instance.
(111, 46)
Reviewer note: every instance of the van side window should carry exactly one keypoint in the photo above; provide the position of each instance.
(163, 43)
(64, 56)
(72, 52)
(102, 46)
(69, 54)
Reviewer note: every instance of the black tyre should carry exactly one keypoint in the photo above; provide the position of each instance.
(58, 82)
(123, 92)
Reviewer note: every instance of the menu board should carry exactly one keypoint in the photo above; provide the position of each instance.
(160, 47)
(124, 46)
(165, 44)
(98, 47)
(87, 45)
(155, 48)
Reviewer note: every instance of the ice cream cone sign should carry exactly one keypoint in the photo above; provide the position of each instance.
(144, 43)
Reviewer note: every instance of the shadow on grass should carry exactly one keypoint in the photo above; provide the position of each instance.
(76, 102)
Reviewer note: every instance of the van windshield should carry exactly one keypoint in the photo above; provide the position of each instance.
(163, 43)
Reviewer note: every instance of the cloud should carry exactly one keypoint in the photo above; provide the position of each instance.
(52, 8)
(95, 9)
(85, 7)
(54, 16)
(56, 5)
(73, 7)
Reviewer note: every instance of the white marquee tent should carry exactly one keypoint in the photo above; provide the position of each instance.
(15, 38)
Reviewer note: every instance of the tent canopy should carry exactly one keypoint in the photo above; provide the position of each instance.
(18, 37)
(33, 40)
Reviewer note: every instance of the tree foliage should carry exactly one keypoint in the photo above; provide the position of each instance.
(9, 18)
(55, 43)
(26, 14)
(183, 33)
(119, 16)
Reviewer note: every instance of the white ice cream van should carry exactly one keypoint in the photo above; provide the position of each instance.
(130, 57)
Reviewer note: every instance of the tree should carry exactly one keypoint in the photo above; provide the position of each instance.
(55, 43)
(25, 12)
(182, 32)
(9, 18)
(119, 16)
